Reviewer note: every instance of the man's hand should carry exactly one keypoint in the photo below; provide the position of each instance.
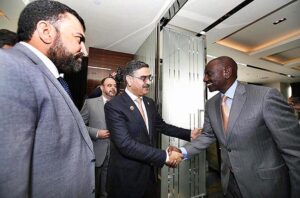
(175, 157)
(102, 134)
(173, 148)
(195, 133)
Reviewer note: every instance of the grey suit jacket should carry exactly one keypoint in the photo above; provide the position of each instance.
(262, 145)
(93, 115)
(45, 149)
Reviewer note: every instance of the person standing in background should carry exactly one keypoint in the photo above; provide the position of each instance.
(258, 134)
(93, 115)
(134, 126)
(45, 148)
(7, 38)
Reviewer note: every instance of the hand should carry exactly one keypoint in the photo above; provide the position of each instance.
(195, 133)
(102, 134)
(173, 148)
(175, 157)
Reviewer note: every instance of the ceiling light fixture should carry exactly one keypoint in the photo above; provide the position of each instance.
(279, 21)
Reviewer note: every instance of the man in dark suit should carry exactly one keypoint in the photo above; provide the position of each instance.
(93, 115)
(258, 134)
(135, 124)
(45, 149)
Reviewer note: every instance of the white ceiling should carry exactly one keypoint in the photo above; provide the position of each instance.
(123, 25)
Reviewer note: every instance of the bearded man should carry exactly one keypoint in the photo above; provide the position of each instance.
(93, 115)
(45, 149)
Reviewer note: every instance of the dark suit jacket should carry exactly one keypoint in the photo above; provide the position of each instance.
(262, 145)
(45, 149)
(134, 152)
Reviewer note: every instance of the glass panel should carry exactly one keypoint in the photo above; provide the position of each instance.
(146, 53)
(182, 105)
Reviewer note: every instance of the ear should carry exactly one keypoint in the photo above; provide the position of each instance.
(46, 31)
(227, 72)
(101, 87)
(128, 80)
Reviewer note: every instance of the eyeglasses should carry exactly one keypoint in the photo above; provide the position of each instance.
(143, 78)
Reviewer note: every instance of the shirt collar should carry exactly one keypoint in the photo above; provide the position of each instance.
(49, 64)
(131, 95)
(104, 99)
(230, 92)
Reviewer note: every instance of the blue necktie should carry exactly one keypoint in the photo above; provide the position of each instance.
(65, 85)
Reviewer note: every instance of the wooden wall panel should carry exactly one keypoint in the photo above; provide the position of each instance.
(101, 63)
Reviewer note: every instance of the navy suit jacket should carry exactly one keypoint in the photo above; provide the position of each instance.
(134, 151)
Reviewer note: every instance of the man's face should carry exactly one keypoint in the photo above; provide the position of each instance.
(68, 47)
(139, 82)
(214, 76)
(109, 88)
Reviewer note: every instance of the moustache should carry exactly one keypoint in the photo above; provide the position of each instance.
(146, 85)
(79, 55)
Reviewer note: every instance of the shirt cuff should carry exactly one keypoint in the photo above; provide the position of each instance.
(184, 153)
(167, 156)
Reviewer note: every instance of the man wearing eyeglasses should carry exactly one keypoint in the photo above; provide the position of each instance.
(135, 125)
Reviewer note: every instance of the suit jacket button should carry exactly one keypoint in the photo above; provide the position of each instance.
(93, 160)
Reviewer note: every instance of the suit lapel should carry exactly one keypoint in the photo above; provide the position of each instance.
(149, 115)
(237, 106)
(135, 111)
(100, 105)
(43, 68)
(217, 106)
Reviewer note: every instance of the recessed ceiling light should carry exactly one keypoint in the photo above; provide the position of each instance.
(279, 21)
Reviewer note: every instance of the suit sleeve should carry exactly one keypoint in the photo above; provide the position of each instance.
(86, 116)
(205, 139)
(18, 122)
(125, 143)
(285, 130)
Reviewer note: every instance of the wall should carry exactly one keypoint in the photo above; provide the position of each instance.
(102, 63)
(282, 87)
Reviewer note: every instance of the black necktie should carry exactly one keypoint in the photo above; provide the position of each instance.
(65, 85)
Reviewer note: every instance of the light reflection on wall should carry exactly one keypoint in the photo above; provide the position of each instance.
(182, 105)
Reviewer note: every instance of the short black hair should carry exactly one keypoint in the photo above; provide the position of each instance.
(104, 79)
(7, 37)
(41, 10)
(132, 66)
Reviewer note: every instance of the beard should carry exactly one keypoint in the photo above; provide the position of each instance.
(64, 60)
(111, 93)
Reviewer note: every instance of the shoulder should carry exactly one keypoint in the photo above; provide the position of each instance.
(117, 99)
(93, 100)
(148, 100)
(15, 61)
(259, 90)
(213, 99)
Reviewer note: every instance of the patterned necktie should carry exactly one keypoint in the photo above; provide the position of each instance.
(140, 106)
(225, 112)
(65, 85)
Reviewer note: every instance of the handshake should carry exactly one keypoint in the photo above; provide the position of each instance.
(175, 156)
(174, 153)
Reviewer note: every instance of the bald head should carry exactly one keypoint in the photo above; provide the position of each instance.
(220, 73)
(227, 63)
